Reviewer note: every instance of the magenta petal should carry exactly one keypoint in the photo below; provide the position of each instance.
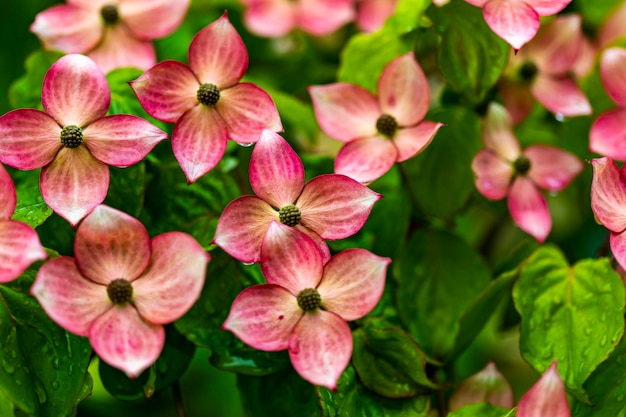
(119, 48)
(19, 247)
(8, 197)
(551, 168)
(352, 283)
(123, 340)
(557, 45)
(75, 91)
(493, 174)
(608, 194)
(613, 73)
(561, 96)
(320, 348)
(498, 133)
(366, 159)
(322, 17)
(514, 21)
(608, 134)
(174, 279)
(68, 28)
(546, 398)
(548, 7)
(269, 18)
(413, 140)
(70, 299)
(263, 316)
(153, 19)
(529, 209)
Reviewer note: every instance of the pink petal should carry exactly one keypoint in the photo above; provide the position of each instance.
(119, 48)
(561, 96)
(217, 55)
(403, 90)
(264, 316)
(371, 14)
(167, 90)
(366, 159)
(557, 45)
(269, 18)
(413, 140)
(335, 206)
(70, 299)
(586, 62)
(123, 340)
(321, 243)
(608, 134)
(75, 91)
(477, 3)
(548, 7)
(242, 227)
(110, 244)
(551, 168)
(514, 21)
(199, 140)
(247, 111)
(322, 17)
(74, 183)
(121, 140)
(488, 385)
(608, 194)
(344, 111)
(19, 247)
(68, 28)
(498, 133)
(276, 171)
(546, 398)
(613, 73)
(618, 247)
(517, 99)
(320, 348)
(352, 283)
(493, 174)
(290, 259)
(153, 19)
(8, 197)
(529, 209)
(613, 27)
(174, 279)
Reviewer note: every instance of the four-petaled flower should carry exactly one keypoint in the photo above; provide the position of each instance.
(377, 131)
(503, 169)
(122, 286)
(305, 304)
(206, 100)
(73, 140)
(546, 398)
(114, 33)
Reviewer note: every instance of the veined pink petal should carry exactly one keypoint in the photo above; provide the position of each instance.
(608, 134)
(413, 140)
(276, 171)
(269, 18)
(123, 340)
(199, 140)
(110, 244)
(119, 48)
(514, 21)
(551, 168)
(75, 91)
(608, 194)
(19, 247)
(153, 19)
(174, 278)
(371, 14)
(321, 243)
(167, 90)
(320, 348)
(344, 111)
(618, 247)
(263, 316)
(352, 283)
(517, 99)
(74, 183)
(546, 398)
(290, 259)
(121, 139)
(242, 227)
(70, 299)
(493, 174)
(366, 159)
(403, 91)
(613, 73)
(321, 17)
(498, 133)
(529, 209)
(335, 206)
(557, 46)
(8, 197)
(217, 55)
(561, 96)
(247, 111)
(488, 385)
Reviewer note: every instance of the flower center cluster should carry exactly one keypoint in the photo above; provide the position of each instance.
(110, 15)
(290, 215)
(120, 291)
(208, 94)
(386, 125)
(309, 299)
(528, 71)
(72, 136)
(521, 165)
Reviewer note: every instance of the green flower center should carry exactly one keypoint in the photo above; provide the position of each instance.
(120, 291)
(309, 299)
(290, 215)
(110, 15)
(208, 94)
(72, 136)
(386, 125)
(521, 165)
(528, 71)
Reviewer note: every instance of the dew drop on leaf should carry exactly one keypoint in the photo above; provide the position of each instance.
(8, 367)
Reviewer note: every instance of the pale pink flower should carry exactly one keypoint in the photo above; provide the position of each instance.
(546, 398)
(328, 207)
(73, 140)
(517, 21)
(114, 33)
(613, 28)
(371, 14)
(502, 170)
(377, 131)
(206, 100)
(122, 287)
(488, 385)
(305, 304)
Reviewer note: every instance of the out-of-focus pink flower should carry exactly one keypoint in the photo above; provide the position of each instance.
(274, 18)
(543, 71)
(371, 14)
(305, 304)
(122, 286)
(206, 100)
(517, 21)
(502, 170)
(440, 3)
(488, 385)
(19, 243)
(546, 398)
(114, 33)
(377, 131)
(328, 207)
(73, 140)
(613, 28)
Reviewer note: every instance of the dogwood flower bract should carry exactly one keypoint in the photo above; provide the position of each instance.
(546, 398)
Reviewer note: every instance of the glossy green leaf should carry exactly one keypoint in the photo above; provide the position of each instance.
(127, 188)
(30, 208)
(26, 90)
(482, 410)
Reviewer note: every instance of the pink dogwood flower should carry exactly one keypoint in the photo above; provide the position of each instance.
(19, 243)
(305, 304)
(546, 398)
(73, 140)
(502, 170)
(328, 207)
(114, 33)
(488, 385)
(377, 131)
(371, 14)
(122, 287)
(517, 21)
(206, 100)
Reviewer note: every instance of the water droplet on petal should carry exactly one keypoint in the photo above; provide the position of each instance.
(245, 145)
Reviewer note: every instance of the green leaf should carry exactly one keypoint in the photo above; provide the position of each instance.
(127, 188)
(482, 410)
(30, 208)
(26, 90)
(572, 314)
